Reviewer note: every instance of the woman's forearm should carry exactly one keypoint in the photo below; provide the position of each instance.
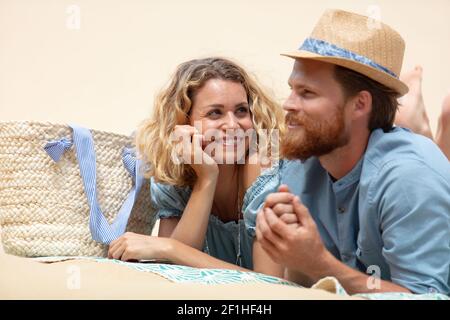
(262, 263)
(192, 226)
(182, 254)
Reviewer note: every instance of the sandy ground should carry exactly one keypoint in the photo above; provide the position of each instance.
(22, 278)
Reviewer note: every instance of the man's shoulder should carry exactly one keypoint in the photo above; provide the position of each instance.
(404, 166)
(402, 151)
(407, 179)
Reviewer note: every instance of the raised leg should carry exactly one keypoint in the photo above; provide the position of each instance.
(443, 130)
(411, 112)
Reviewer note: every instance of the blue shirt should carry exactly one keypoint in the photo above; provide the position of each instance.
(222, 240)
(390, 213)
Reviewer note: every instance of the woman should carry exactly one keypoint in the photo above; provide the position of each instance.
(204, 185)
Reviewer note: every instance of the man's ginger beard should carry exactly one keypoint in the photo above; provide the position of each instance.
(314, 137)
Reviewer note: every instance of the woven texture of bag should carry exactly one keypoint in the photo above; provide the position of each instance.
(43, 206)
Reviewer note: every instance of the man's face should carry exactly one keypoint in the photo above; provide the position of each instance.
(315, 118)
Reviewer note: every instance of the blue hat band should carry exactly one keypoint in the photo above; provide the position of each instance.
(330, 50)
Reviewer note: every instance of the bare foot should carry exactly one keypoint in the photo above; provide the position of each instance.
(411, 112)
(443, 130)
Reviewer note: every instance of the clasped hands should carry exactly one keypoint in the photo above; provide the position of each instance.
(289, 235)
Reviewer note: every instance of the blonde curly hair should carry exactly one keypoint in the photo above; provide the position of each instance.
(172, 107)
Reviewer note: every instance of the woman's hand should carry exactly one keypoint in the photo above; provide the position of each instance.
(133, 246)
(190, 149)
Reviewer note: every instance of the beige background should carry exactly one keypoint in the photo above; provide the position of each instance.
(104, 74)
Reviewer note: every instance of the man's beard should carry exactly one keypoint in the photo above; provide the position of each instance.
(313, 138)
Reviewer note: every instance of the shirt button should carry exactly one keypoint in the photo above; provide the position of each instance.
(432, 290)
(341, 209)
(345, 257)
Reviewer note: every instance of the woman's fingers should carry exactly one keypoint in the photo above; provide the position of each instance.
(196, 149)
(118, 251)
(278, 197)
(283, 188)
(188, 143)
(289, 218)
(113, 247)
(282, 208)
(186, 129)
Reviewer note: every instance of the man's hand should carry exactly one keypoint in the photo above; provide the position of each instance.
(299, 248)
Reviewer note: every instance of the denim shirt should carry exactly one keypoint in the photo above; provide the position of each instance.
(222, 239)
(390, 215)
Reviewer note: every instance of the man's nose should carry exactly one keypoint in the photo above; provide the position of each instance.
(291, 103)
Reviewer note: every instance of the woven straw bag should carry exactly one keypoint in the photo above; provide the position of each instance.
(45, 209)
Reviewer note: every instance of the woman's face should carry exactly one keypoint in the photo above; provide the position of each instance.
(221, 113)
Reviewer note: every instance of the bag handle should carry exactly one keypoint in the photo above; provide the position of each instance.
(101, 230)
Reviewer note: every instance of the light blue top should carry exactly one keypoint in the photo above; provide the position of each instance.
(221, 237)
(391, 211)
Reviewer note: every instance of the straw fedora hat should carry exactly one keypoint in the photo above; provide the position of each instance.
(359, 43)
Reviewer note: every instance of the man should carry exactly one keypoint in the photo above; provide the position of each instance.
(368, 203)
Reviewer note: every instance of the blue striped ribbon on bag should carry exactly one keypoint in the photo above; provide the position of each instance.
(101, 230)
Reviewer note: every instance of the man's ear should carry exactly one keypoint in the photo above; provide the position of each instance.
(362, 104)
